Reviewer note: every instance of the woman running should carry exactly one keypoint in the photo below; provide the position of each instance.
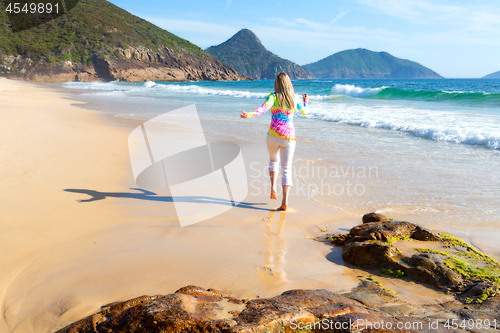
(281, 133)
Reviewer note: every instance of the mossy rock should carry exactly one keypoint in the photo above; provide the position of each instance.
(458, 268)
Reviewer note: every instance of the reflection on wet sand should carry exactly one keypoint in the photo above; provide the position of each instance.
(272, 272)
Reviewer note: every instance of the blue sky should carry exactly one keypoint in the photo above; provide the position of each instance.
(457, 39)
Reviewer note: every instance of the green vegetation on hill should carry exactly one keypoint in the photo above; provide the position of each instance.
(495, 75)
(245, 53)
(92, 27)
(362, 63)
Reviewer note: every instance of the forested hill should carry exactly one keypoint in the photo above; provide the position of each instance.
(100, 41)
(495, 75)
(245, 53)
(366, 64)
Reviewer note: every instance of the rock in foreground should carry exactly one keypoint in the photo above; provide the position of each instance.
(455, 268)
(461, 270)
(194, 309)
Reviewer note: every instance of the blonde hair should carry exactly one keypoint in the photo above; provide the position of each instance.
(284, 91)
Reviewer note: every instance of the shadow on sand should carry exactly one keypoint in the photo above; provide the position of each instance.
(151, 196)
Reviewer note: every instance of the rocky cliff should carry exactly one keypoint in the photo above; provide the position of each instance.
(245, 53)
(135, 64)
(99, 41)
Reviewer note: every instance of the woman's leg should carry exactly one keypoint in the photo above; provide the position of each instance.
(274, 177)
(286, 152)
(286, 190)
(273, 148)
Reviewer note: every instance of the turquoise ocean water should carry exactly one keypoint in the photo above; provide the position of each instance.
(413, 149)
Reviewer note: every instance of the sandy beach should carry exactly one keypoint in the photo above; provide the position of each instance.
(62, 259)
(77, 234)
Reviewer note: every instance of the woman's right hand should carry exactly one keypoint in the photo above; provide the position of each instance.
(305, 98)
(244, 114)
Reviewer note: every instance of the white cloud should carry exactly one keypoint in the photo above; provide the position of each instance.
(281, 22)
(338, 17)
(198, 32)
(438, 12)
(279, 31)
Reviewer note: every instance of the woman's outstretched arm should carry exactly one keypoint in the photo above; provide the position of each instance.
(262, 109)
(302, 107)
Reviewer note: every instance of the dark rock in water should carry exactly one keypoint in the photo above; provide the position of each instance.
(458, 268)
(340, 240)
(386, 230)
(373, 217)
(425, 268)
(370, 255)
(430, 269)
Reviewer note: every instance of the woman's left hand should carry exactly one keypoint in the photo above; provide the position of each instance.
(244, 114)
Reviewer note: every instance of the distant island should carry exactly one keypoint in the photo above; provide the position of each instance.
(495, 75)
(100, 41)
(245, 53)
(366, 64)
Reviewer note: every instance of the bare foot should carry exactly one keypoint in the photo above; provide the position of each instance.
(273, 195)
(282, 208)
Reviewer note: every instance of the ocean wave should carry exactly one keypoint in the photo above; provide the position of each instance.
(438, 96)
(418, 95)
(99, 86)
(438, 126)
(149, 84)
(337, 92)
(194, 89)
(353, 91)
(151, 87)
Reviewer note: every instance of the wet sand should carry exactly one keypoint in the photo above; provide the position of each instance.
(76, 234)
(64, 256)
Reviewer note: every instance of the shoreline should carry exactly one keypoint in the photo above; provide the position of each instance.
(64, 259)
(420, 179)
(377, 247)
(80, 253)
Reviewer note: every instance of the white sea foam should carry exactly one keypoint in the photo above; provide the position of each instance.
(432, 124)
(353, 91)
(151, 87)
(149, 84)
(194, 89)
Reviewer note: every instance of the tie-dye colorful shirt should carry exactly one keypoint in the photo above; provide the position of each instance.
(282, 117)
